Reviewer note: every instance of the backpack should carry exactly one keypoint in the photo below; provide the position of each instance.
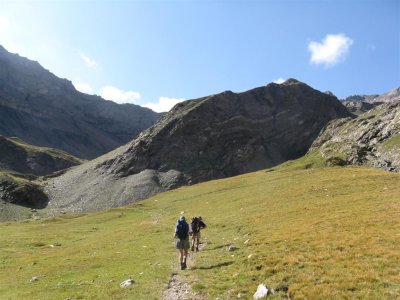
(195, 224)
(182, 229)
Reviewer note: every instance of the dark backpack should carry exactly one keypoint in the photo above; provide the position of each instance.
(195, 224)
(182, 229)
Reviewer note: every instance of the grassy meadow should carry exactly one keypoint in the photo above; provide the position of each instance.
(307, 233)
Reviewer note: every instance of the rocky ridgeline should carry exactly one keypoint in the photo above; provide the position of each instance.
(372, 139)
(198, 140)
(359, 104)
(229, 134)
(44, 110)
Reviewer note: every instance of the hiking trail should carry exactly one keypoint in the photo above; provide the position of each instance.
(178, 290)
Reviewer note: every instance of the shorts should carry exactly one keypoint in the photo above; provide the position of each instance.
(182, 244)
(196, 234)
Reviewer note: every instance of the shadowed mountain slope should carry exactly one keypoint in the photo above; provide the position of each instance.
(18, 156)
(44, 110)
(198, 140)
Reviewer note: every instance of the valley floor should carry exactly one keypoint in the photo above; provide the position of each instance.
(327, 233)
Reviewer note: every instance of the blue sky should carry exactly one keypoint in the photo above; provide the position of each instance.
(156, 53)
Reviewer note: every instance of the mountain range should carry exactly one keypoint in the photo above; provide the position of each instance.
(212, 137)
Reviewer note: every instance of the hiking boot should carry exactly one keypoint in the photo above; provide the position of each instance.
(192, 248)
(184, 266)
(197, 249)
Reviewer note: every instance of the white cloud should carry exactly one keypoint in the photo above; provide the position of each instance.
(119, 96)
(331, 51)
(82, 87)
(88, 61)
(164, 104)
(279, 80)
(4, 24)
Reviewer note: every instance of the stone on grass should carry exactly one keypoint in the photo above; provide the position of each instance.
(34, 278)
(232, 248)
(261, 292)
(126, 283)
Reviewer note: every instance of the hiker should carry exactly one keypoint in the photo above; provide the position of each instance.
(182, 232)
(196, 225)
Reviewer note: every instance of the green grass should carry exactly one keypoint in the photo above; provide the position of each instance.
(392, 143)
(325, 233)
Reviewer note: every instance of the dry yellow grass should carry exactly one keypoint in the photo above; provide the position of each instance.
(328, 233)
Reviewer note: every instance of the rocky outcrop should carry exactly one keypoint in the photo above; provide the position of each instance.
(358, 107)
(198, 140)
(373, 139)
(359, 104)
(18, 156)
(44, 110)
(21, 191)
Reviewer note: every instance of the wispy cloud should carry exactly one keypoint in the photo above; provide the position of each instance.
(4, 24)
(332, 50)
(82, 86)
(88, 61)
(164, 104)
(117, 95)
(279, 80)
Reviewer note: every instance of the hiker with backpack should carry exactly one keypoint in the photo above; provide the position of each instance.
(182, 232)
(196, 225)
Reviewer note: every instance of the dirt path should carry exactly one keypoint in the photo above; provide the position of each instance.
(178, 290)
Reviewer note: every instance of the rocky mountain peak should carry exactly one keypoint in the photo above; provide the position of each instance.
(237, 132)
(211, 137)
(292, 81)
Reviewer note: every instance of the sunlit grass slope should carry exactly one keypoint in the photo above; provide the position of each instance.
(326, 233)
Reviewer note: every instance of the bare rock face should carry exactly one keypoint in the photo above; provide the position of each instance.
(372, 139)
(198, 140)
(44, 110)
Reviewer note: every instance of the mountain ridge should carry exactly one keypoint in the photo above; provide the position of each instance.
(212, 137)
(18, 156)
(44, 110)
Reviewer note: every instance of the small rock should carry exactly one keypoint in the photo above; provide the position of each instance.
(34, 278)
(126, 283)
(261, 292)
(232, 248)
